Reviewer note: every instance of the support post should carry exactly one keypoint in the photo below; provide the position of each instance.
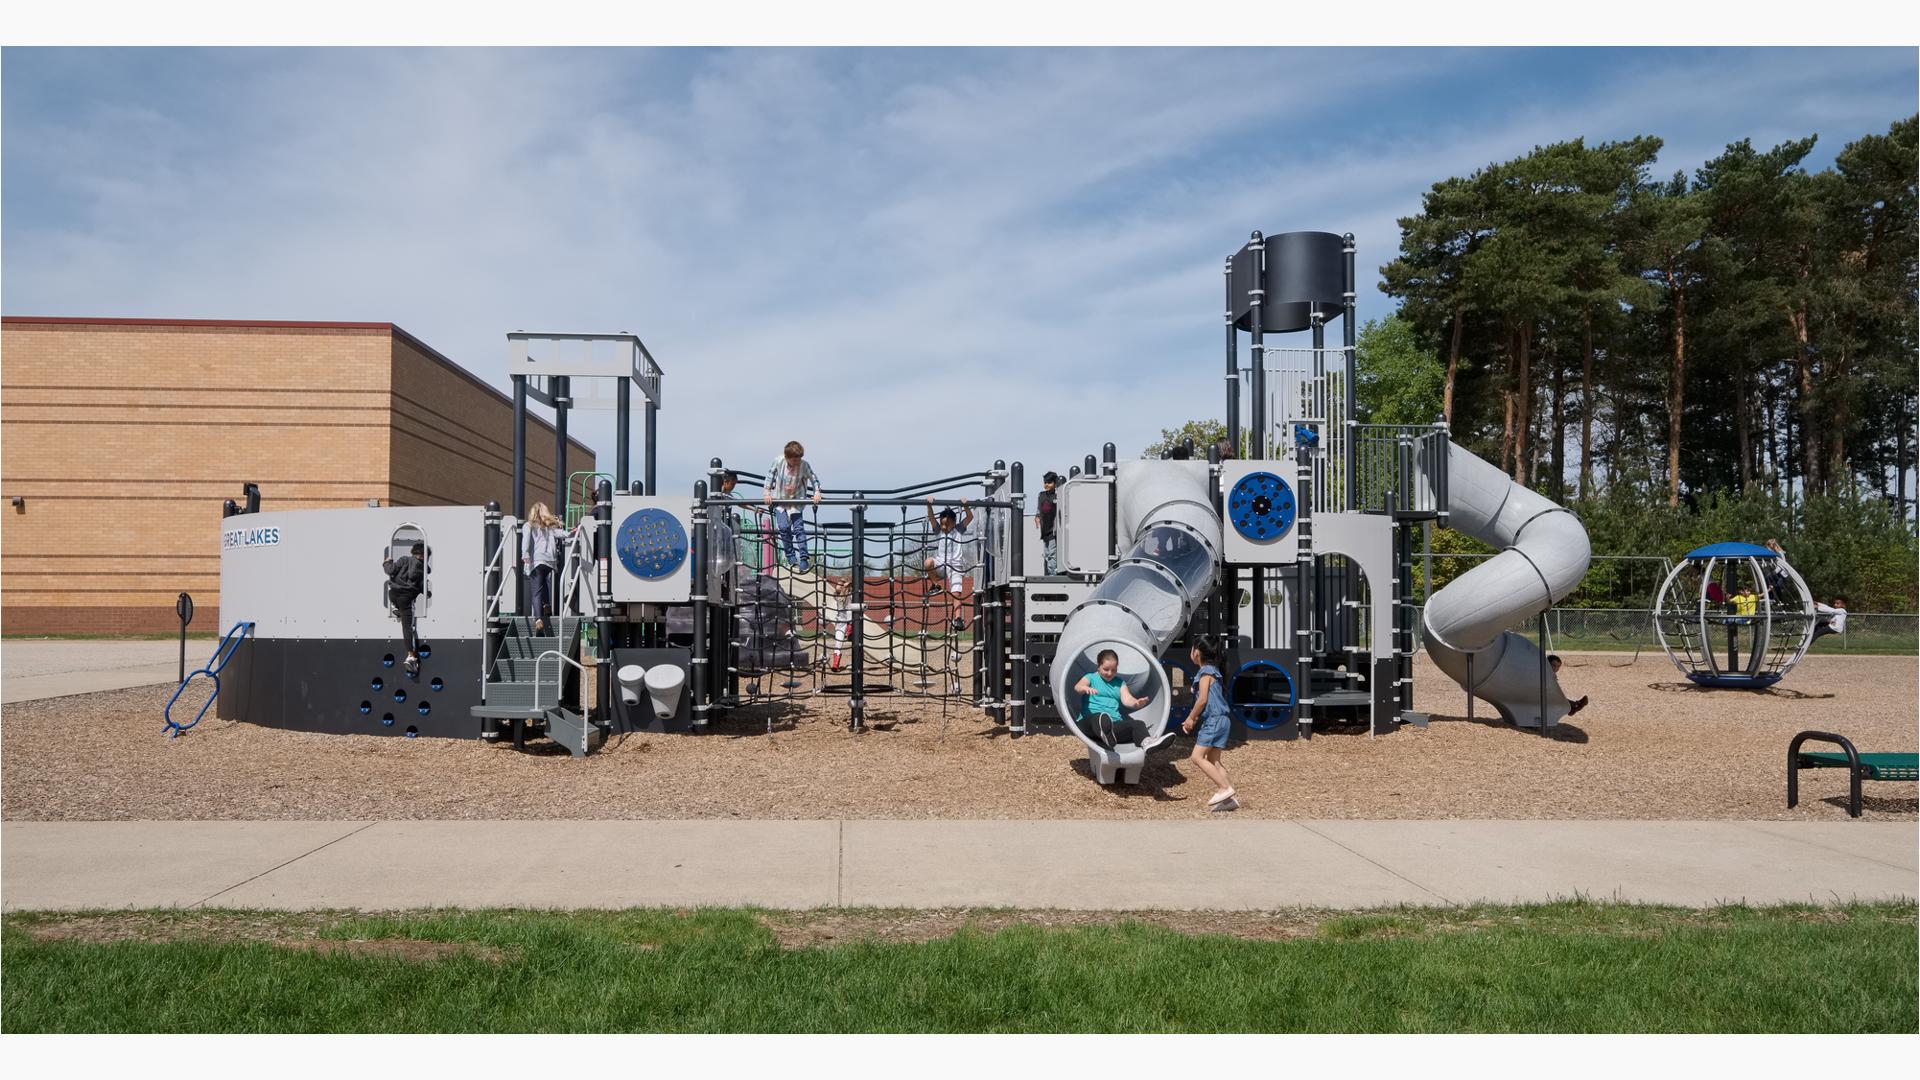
(1257, 446)
(1016, 595)
(603, 602)
(520, 448)
(1233, 369)
(1302, 597)
(1546, 725)
(697, 546)
(493, 632)
(649, 468)
(622, 431)
(857, 595)
(183, 607)
(562, 385)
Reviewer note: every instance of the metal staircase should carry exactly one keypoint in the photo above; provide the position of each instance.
(533, 686)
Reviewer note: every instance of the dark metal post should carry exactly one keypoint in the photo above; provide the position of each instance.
(1303, 597)
(622, 431)
(494, 632)
(648, 468)
(183, 607)
(1233, 369)
(1545, 724)
(697, 548)
(857, 698)
(1017, 597)
(561, 387)
(1091, 466)
(519, 448)
(603, 608)
(1257, 445)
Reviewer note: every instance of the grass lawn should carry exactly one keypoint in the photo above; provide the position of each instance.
(1572, 966)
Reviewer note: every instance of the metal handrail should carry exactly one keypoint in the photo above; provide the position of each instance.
(492, 602)
(558, 655)
(574, 572)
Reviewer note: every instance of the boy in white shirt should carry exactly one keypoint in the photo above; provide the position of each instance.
(952, 551)
(1833, 619)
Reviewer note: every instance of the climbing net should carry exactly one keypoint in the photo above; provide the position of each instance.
(810, 586)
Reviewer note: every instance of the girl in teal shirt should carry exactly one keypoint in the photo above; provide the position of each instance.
(1106, 694)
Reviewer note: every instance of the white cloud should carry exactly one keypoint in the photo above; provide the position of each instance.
(916, 262)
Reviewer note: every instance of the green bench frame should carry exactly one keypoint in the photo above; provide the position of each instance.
(1859, 766)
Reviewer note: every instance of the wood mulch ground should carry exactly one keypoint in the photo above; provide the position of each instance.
(1651, 746)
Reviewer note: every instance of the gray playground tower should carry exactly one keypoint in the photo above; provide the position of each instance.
(1298, 552)
(1296, 548)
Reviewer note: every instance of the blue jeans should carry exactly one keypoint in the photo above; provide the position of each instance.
(541, 580)
(792, 526)
(1052, 549)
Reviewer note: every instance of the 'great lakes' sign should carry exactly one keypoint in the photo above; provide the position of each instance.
(262, 536)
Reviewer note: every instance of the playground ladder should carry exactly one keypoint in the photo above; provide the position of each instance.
(222, 654)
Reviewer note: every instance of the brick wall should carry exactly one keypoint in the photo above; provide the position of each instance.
(123, 438)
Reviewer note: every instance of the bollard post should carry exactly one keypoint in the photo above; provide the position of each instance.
(183, 607)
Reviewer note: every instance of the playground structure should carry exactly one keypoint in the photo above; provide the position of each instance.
(1299, 555)
(1720, 639)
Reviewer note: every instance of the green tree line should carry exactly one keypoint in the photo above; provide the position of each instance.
(1750, 328)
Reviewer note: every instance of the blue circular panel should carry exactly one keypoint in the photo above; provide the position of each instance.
(1261, 507)
(1263, 715)
(651, 544)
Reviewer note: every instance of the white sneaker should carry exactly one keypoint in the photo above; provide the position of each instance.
(1157, 741)
(1224, 805)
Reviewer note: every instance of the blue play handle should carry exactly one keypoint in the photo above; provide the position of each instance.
(221, 655)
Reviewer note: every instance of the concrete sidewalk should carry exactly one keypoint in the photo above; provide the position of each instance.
(1220, 864)
(31, 669)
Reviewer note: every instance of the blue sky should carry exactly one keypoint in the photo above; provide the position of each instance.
(914, 261)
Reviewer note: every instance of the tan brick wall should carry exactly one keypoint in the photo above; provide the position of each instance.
(124, 438)
(453, 438)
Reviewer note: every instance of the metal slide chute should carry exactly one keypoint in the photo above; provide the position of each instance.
(1171, 539)
(1544, 554)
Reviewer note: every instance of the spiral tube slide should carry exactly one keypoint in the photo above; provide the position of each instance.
(1544, 555)
(1171, 537)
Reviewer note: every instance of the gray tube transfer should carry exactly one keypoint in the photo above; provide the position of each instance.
(1171, 542)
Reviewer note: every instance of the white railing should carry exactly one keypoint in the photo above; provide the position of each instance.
(577, 577)
(557, 673)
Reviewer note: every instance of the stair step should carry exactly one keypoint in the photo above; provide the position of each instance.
(531, 648)
(1342, 697)
(520, 695)
(526, 669)
(506, 712)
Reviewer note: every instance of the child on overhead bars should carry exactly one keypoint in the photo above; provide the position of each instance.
(1213, 721)
(789, 480)
(952, 553)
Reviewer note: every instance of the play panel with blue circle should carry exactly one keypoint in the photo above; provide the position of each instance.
(651, 543)
(1261, 506)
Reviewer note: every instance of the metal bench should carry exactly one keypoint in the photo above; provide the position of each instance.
(1859, 766)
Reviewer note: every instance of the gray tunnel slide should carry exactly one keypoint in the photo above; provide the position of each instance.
(1544, 554)
(1171, 538)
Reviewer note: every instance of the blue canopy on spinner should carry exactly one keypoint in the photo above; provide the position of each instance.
(1731, 549)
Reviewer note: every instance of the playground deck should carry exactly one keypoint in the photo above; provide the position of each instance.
(1650, 747)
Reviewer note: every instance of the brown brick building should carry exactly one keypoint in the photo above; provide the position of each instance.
(122, 437)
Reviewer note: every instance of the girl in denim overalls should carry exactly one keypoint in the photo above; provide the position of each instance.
(1210, 716)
